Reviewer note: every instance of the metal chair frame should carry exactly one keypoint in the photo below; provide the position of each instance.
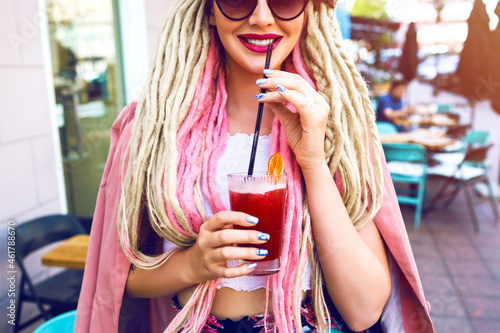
(474, 157)
(31, 236)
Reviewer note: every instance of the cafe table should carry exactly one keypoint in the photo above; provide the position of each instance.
(429, 138)
(71, 253)
(425, 115)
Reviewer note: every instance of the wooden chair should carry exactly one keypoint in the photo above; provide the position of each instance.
(56, 294)
(469, 172)
(458, 132)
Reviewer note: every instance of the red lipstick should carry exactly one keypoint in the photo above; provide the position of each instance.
(245, 40)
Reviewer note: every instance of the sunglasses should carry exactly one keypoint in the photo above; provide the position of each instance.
(238, 10)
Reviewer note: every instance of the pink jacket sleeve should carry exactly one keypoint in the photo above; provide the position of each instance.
(107, 267)
(389, 221)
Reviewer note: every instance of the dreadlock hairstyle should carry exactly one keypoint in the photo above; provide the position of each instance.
(180, 131)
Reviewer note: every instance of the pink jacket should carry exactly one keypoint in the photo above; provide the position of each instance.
(107, 268)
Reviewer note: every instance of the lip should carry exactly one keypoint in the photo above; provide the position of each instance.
(259, 49)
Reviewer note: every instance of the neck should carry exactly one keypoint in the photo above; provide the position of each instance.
(241, 106)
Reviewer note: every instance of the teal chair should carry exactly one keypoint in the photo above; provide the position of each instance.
(62, 323)
(455, 155)
(477, 138)
(465, 175)
(407, 164)
(386, 128)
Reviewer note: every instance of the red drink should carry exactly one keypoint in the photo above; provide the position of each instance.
(269, 208)
(264, 197)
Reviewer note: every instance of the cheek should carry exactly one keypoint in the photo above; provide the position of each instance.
(294, 29)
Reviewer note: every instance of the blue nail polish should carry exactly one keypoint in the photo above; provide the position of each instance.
(259, 96)
(268, 71)
(264, 237)
(261, 81)
(252, 219)
(252, 266)
(281, 88)
(262, 252)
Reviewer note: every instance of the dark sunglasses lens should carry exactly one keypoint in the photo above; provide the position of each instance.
(236, 9)
(287, 9)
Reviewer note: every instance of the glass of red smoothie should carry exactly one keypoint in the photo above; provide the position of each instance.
(262, 196)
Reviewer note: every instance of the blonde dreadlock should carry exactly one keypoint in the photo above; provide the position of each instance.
(169, 121)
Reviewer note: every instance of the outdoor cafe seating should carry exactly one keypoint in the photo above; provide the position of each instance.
(425, 116)
(470, 171)
(407, 164)
(454, 161)
(54, 295)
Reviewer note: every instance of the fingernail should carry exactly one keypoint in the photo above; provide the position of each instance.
(261, 81)
(262, 252)
(281, 88)
(252, 266)
(259, 96)
(252, 219)
(268, 71)
(264, 237)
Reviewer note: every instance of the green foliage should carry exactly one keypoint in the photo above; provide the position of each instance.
(370, 9)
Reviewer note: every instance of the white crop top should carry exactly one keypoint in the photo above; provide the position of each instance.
(235, 158)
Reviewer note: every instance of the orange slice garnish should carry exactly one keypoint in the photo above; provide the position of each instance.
(275, 165)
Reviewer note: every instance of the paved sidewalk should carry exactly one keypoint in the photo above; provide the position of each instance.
(460, 269)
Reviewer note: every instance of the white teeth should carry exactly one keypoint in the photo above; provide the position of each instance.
(260, 42)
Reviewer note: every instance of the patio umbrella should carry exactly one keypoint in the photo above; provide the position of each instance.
(409, 58)
(474, 66)
(495, 64)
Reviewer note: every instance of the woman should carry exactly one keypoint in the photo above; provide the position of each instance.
(172, 147)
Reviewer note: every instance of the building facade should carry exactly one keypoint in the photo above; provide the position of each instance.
(67, 67)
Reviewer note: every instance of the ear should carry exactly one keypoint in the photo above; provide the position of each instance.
(211, 17)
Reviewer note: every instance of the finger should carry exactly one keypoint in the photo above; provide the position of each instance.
(277, 103)
(235, 236)
(272, 97)
(238, 253)
(283, 95)
(224, 218)
(232, 272)
(290, 81)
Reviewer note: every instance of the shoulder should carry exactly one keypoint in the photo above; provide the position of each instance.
(125, 117)
(385, 98)
(122, 126)
(383, 101)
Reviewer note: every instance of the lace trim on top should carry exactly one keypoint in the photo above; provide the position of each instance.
(235, 158)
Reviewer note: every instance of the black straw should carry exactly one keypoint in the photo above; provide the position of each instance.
(259, 116)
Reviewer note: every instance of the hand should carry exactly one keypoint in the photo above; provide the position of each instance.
(305, 130)
(216, 243)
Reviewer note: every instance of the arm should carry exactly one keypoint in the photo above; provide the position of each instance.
(391, 114)
(204, 261)
(158, 282)
(346, 254)
(354, 263)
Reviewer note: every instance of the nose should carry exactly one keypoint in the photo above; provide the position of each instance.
(262, 15)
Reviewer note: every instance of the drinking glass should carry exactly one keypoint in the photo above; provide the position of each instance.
(264, 197)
